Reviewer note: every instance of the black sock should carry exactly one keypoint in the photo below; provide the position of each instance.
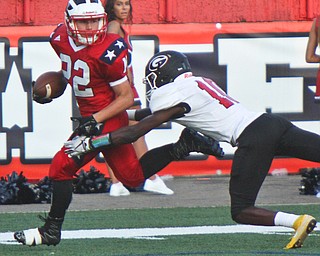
(156, 159)
(61, 198)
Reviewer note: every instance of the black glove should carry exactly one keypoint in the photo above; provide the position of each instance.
(193, 141)
(88, 126)
(216, 150)
(38, 99)
(206, 145)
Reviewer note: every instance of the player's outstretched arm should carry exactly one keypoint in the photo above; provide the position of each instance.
(131, 133)
(81, 144)
(138, 114)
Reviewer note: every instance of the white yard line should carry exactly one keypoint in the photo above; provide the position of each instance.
(160, 233)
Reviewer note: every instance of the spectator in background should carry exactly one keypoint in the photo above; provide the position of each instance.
(118, 12)
(311, 55)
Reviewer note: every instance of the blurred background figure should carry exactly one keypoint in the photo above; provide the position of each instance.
(311, 52)
(118, 12)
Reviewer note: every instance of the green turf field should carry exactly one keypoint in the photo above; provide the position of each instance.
(141, 244)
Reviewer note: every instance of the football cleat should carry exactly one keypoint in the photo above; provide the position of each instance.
(49, 233)
(192, 141)
(157, 186)
(303, 226)
(117, 189)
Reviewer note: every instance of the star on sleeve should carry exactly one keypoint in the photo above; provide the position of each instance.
(110, 55)
(113, 51)
(119, 44)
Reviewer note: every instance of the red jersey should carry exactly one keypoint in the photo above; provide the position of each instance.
(91, 70)
(126, 38)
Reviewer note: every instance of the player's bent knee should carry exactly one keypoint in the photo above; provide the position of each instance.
(62, 167)
(234, 215)
(235, 218)
(237, 214)
(243, 215)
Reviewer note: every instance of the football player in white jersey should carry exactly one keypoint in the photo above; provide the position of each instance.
(198, 103)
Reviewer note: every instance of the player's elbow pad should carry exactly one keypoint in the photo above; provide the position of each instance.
(138, 114)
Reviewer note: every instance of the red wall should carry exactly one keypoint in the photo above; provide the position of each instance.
(48, 12)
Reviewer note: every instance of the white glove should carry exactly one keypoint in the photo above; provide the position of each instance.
(79, 145)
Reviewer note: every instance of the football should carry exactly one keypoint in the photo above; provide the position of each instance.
(49, 85)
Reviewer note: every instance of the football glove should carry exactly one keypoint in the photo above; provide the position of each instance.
(88, 126)
(208, 145)
(38, 99)
(193, 141)
(216, 149)
(79, 145)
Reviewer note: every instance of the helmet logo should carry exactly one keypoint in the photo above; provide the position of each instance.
(158, 62)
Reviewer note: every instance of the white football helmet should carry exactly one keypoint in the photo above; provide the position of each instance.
(78, 10)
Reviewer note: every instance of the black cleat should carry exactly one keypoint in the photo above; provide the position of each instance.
(49, 233)
(192, 141)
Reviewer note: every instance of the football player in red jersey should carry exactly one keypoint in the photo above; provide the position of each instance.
(200, 104)
(95, 63)
(119, 12)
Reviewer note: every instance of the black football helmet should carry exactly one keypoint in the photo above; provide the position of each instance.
(163, 68)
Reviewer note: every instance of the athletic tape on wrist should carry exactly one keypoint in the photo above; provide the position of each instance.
(101, 141)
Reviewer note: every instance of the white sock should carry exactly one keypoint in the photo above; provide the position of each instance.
(285, 219)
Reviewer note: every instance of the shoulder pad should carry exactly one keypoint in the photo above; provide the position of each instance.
(113, 51)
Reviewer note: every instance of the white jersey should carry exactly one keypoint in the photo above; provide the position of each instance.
(212, 111)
